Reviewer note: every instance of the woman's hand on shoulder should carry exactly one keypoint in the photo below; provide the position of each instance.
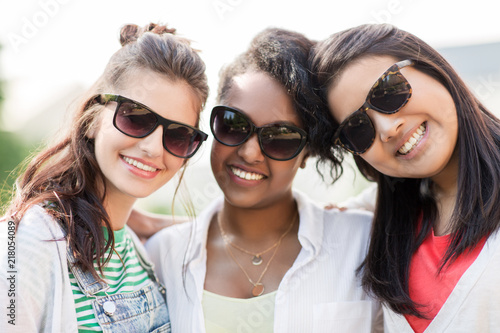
(146, 224)
(333, 206)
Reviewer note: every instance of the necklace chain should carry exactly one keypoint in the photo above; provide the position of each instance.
(258, 287)
(257, 256)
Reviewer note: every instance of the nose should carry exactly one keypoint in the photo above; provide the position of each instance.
(152, 144)
(387, 126)
(250, 150)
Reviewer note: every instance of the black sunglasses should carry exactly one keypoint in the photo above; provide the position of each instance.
(388, 95)
(138, 121)
(277, 141)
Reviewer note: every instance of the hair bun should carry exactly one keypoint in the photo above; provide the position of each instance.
(131, 32)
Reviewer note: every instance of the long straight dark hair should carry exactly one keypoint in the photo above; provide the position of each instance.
(396, 232)
(67, 175)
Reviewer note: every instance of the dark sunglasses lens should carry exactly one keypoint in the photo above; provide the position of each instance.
(280, 142)
(358, 133)
(134, 120)
(391, 93)
(229, 127)
(181, 140)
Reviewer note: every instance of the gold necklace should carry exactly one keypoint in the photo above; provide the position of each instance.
(258, 287)
(256, 257)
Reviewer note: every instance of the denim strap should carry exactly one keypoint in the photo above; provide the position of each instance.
(87, 282)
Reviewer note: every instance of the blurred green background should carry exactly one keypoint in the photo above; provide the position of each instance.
(13, 149)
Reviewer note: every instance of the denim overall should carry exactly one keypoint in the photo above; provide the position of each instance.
(141, 311)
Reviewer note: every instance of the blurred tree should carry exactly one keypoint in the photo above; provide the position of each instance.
(12, 152)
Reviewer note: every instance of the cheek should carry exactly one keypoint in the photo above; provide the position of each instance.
(218, 155)
(173, 163)
(285, 171)
(377, 160)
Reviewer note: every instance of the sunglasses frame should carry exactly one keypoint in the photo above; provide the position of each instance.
(393, 70)
(106, 98)
(258, 130)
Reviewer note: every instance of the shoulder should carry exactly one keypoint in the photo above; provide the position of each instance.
(172, 237)
(367, 199)
(349, 224)
(173, 245)
(40, 271)
(350, 218)
(40, 252)
(349, 229)
(40, 244)
(179, 235)
(37, 225)
(315, 216)
(167, 251)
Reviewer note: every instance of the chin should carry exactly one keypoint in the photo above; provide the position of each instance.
(241, 200)
(140, 194)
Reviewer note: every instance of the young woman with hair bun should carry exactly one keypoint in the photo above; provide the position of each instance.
(77, 265)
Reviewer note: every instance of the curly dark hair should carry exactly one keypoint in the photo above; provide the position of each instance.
(283, 55)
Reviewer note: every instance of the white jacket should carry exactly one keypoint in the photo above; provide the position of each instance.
(320, 292)
(474, 304)
(40, 296)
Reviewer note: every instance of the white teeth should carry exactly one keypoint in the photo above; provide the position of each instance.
(246, 175)
(413, 140)
(138, 164)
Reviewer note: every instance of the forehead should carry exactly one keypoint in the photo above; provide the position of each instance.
(349, 91)
(172, 99)
(262, 98)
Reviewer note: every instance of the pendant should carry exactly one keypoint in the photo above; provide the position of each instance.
(257, 260)
(109, 308)
(258, 289)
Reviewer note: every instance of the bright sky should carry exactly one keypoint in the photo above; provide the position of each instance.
(49, 45)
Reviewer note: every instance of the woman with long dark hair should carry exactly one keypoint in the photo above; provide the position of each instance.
(415, 129)
(75, 264)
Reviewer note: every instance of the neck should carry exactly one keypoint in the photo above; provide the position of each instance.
(259, 225)
(118, 209)
(445, 193)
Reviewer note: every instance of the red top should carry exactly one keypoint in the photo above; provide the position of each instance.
(429, 288)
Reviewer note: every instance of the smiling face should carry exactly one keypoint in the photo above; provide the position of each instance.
(135, 168)
(246, 176)
(418, 141)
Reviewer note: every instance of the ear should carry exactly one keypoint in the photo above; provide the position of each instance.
(304, 160)
(94, 127)
(91, 133)
(95, 123)
(93, 116)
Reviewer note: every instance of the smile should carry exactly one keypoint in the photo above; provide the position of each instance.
(138, 164)
(245, 174)
(413, 141)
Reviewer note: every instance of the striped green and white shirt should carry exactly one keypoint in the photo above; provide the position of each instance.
(120, 278)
